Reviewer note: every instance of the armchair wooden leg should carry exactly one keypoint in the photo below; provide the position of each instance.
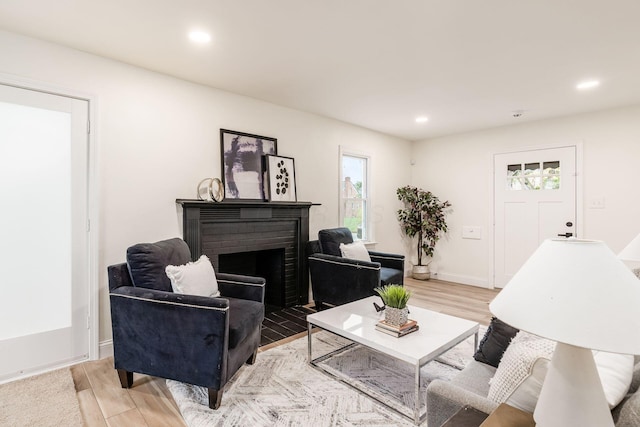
(251, 360)
(215, 397)
(126, 378)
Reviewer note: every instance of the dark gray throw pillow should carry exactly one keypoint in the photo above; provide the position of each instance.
(495, 342)
(147, 262)
(330, 240)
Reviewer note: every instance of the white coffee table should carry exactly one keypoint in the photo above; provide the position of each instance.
(356, 322)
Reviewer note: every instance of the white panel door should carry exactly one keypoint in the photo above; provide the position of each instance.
(535, 199)
(44, 248)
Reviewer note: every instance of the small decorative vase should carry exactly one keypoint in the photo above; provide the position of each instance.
(421, 272)
(396, 316)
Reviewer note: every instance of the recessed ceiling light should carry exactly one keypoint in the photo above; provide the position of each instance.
(422, 119)
(199, 37)
(587, 84)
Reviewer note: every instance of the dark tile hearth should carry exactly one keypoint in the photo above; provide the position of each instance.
(284, 323)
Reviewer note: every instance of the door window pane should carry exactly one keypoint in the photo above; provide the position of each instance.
(551, 175)
(35, 169)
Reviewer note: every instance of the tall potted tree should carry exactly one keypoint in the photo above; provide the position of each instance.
(423, 216)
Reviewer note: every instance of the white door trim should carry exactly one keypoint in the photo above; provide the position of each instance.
(93, 197)
(579, 195)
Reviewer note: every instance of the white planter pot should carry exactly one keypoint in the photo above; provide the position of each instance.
(421, 272)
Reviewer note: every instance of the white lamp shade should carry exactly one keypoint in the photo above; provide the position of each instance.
(576, 292)
(631, 252)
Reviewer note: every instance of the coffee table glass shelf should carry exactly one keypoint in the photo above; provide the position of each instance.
(357, 321)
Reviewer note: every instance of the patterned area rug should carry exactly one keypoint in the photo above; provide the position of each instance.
(281, 389)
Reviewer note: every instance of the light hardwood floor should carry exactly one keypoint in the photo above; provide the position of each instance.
(149, 404)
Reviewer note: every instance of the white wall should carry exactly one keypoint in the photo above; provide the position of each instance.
(158, 136)
(459, 168)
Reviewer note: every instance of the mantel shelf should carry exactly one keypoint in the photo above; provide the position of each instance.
(247, 203)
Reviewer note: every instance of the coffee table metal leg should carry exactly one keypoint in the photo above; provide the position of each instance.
(416, 412)
(309, 327)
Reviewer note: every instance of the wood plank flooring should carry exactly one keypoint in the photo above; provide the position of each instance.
(149, 404)
(468, 302)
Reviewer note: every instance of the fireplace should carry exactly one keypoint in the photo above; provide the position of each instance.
(258, 239)
(266, 263)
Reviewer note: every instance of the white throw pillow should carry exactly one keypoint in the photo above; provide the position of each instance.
(616, 373)
(194, 278)
(355, 250)
(521, 372)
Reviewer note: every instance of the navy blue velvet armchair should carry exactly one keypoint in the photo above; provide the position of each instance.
(337, 280)
(192, 339)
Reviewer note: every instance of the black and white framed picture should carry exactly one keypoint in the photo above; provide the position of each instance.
(281, 175)
(242, 159)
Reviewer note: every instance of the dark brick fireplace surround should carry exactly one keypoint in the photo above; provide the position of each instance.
(254, 238)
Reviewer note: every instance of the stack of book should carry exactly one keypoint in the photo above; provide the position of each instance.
(397, 331)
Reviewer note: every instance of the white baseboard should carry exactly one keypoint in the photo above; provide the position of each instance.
(465, 280)
(105, 349)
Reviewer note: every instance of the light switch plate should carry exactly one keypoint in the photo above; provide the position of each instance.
(471, 232)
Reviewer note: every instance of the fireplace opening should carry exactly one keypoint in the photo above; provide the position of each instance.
(266, 263)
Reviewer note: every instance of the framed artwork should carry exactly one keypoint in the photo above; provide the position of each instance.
(281, 178)
(242, 159)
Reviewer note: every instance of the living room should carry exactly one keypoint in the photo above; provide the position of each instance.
(156, 136)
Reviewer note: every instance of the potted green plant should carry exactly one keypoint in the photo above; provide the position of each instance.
(423, 216)
(395, 298)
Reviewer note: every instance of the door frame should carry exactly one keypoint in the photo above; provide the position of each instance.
(93, 197)
(579, 195)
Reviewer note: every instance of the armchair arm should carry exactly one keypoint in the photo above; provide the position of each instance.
(346, 262)
(337, 280)
(118, 276)
(445, 399)
(243, 287)
(156, 332)
(169, 298)
(388, 260)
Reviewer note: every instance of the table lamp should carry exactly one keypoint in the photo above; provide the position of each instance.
(579, 294)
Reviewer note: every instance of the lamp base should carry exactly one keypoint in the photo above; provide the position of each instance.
(572, 393)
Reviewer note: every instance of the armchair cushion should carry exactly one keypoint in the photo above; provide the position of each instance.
(391, 276)
(330, 240)
(244, 315)
(147, 262)
(355, 250)
(194, 278)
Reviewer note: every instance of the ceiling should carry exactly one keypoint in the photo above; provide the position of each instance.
(465, 64)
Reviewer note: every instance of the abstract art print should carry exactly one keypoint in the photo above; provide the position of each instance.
(282, 179)
(242, 160)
